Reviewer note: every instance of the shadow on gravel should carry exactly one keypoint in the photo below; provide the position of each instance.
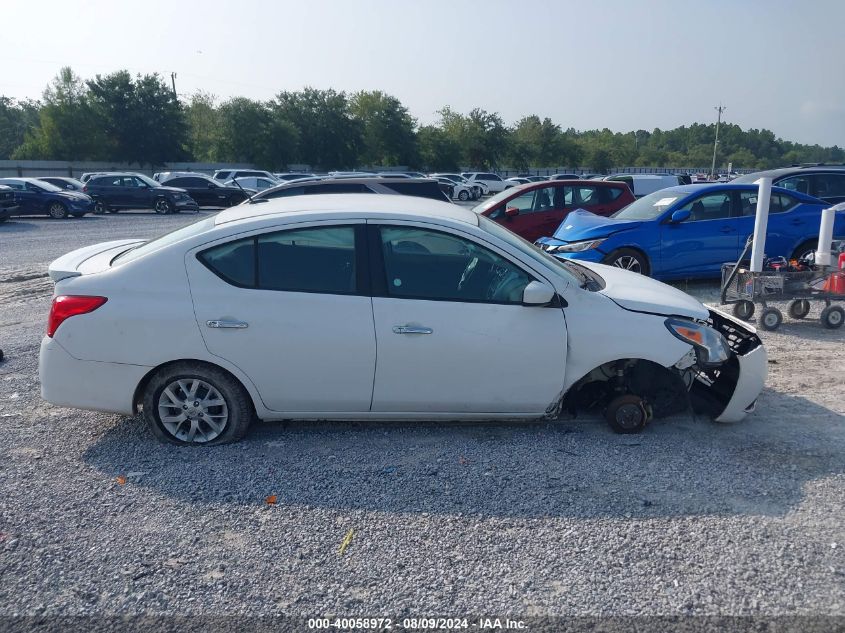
(16, 226)
(573, 468)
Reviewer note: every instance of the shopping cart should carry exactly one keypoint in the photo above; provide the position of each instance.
(744, 288)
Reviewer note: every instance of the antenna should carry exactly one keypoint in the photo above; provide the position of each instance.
(248, 197)
(721, 109)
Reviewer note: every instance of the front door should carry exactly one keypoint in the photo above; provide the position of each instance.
(290, 309)
(452, 333)
(538, 213)
(703, 242)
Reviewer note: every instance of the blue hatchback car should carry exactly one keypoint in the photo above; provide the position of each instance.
(36, 197)
(690, 231)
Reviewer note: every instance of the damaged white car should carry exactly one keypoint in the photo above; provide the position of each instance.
(376, 307)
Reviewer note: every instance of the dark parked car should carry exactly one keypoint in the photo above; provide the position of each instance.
(115, 191)
(34, 197)
(208, 192)
(422, 187)
(826, 182)
(68, 184)
(224, 175)
(8, 206)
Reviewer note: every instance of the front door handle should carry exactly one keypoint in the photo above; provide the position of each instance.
(411, 329)
(237, 325)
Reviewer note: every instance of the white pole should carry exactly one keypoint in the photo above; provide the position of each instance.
(823, 254)
(761, 223)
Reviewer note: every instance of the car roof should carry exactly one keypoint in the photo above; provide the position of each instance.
(735, 186)
(353, 204)
(785, 171)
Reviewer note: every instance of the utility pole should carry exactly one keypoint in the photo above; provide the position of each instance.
(721, 109)
(173, 82)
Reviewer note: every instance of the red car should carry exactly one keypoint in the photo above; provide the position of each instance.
(536, 209)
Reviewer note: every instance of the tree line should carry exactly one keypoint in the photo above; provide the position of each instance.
(139, 119)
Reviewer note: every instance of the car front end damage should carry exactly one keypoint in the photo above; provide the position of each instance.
(720, 376)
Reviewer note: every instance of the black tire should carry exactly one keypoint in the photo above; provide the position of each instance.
(743, 310)
(100, 207)
(57, 211)
(832, 317)
(628, 259)
(162, 206)
(805, 250)
(463, 196)
(626, 414)
(799, 308)
(770, 319)
(237, 402)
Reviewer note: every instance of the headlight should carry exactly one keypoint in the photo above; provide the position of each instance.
(710, 346)
(575, 247)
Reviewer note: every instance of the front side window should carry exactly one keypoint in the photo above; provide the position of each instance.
(425, 264)
(714, 206)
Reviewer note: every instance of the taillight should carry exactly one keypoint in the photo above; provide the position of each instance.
(66, 306)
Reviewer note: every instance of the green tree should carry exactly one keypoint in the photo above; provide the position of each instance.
(203, 121)
(68, 128)
(438, 152)
(387, 129)
(328, 135)
(16, 119)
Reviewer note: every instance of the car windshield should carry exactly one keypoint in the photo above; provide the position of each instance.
(572, 271)
(149, 181)
(495, 200)
(167, 239)
(649, 207)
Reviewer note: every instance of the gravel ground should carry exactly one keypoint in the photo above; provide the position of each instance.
(551, 519)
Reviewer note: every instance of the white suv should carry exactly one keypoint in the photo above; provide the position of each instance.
(494, 183)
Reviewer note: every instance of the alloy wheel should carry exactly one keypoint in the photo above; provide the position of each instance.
(192, 410)
(628, 262)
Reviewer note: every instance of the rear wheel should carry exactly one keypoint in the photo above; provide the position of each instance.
(57, 210)
(807, 250)
(743, 310)
(799, 308)
(629, 259)
(463, 196)
(194, 404)
(100, 207)
(163, 206)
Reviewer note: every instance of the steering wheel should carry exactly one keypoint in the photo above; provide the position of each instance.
(467, 272)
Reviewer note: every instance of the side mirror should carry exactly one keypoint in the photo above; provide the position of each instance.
(511, 212)
(680, 216)
(537, 293)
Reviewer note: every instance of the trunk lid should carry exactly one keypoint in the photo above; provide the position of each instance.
(89, 259)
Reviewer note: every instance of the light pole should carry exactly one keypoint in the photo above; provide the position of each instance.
(721, 109)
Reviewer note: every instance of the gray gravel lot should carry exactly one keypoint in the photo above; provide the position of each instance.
(561, 518)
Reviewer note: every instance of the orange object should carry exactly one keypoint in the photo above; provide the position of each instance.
(121, 480)
(271, 500)
(842, 260)
(836, 283)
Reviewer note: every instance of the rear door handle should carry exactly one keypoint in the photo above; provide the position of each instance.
(236, 325)
(411, 329)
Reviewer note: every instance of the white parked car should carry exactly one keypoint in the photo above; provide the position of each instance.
(460, 191)
(478, 188)
(493, 182)
(376, 307)
(256, 183)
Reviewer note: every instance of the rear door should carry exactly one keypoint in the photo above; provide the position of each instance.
(291, 309)
(452, 333)
(702, 243)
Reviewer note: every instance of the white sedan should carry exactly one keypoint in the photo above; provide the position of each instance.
(376, 307)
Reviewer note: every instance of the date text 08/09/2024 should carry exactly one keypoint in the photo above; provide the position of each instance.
(427, 624)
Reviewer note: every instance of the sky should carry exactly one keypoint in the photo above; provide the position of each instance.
(586, 64)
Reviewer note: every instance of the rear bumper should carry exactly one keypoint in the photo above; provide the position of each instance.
(69, 382)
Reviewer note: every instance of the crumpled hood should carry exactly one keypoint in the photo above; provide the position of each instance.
(582, 225)
(639, 293)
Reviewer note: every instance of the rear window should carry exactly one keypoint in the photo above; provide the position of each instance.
(165, 240)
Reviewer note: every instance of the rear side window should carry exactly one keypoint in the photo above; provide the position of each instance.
(801, 184)
(419, 189)
(233, 262)
(830, 185)
(305, 260)
(611, 193)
